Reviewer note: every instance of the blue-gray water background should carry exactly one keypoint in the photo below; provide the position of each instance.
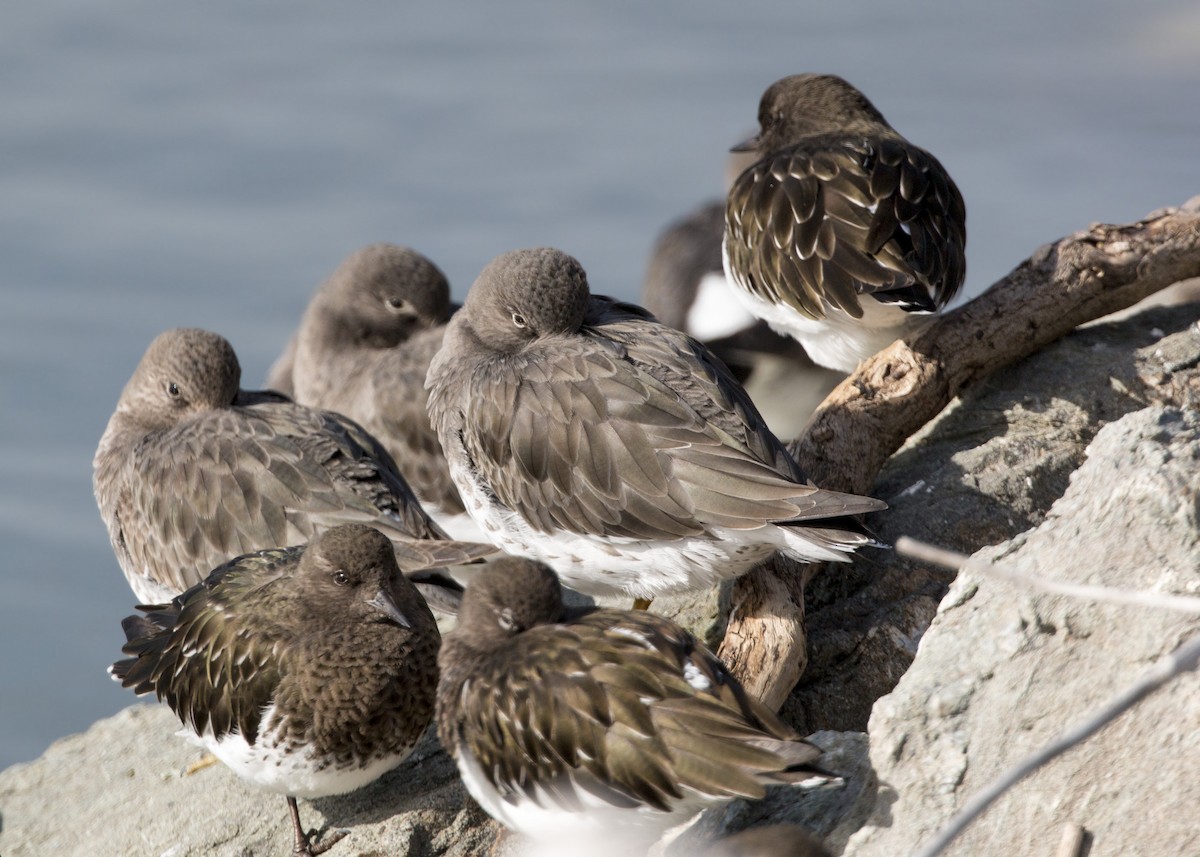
(208, 164)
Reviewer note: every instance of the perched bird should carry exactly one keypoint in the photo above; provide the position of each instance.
(585, 726)
(582, 432)
(843, 234)
(309, 671)
(776, 840)
(363, 350)
(192, 470)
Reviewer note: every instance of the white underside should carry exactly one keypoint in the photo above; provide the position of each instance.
(599, 566)
(458, 525)
(716, 311)
(298, 774)
(602, 830)
(838, 341)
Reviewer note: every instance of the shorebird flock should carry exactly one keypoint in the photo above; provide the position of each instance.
(287, 545)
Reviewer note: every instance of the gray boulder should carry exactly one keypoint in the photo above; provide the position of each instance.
(1002, 670)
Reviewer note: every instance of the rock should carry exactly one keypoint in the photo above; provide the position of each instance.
(986, 470)
(120, 788)
(1002, 670)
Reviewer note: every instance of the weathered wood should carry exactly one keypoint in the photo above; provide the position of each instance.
(892, 395)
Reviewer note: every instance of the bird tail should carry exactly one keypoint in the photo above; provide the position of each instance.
(145, 639)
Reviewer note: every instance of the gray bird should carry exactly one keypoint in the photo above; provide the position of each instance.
(363, 350)
(843, 234)
(583, 433)
(309, 671)
(192, 470)
(279, 374)
(587, 728)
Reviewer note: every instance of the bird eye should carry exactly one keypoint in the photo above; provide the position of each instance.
(519, 320)
(396, 304)
(173, 389)
(340, 577)
(505, 619)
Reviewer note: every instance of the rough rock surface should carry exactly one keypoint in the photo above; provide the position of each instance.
(121, 789)
(987, 470)
(1003, 670)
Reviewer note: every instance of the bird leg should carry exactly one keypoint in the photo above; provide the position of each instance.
(303, 843)
(642, 603)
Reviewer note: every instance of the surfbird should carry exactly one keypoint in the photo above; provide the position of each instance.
(843, 234)
(192, 470)
(309, 671)
(582, 432)
(363, 350)
(585, 724)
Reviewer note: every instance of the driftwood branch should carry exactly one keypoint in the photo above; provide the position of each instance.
(892, 395)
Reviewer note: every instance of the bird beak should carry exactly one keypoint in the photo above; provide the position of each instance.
(750, 144)
(384, 604)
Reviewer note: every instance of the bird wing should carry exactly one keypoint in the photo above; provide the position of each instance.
(628, 709)
(269, 473)
(579, 434)
(394, 395)
(835, 218)
(213, 654)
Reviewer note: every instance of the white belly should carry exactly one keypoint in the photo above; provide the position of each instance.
(601, 830)
(717, 311)
(599, 565)
(838, 341)
(299, 774)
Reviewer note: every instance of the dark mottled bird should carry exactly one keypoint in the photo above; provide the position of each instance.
(363, 350)
(598, 729)
(843, 234)
(309, 671)
(583, 433)
(193, 470)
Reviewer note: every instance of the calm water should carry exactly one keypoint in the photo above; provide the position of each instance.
(209, 164)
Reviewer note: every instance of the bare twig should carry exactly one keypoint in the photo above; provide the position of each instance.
(954, 560)
(1186, 658)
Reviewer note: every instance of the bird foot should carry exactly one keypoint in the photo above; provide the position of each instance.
(205, 761)
(309, 848)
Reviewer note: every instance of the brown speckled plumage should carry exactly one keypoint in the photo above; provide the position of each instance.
(192, 470)
(625, 707)
(318, 660)
(576, 414)
(363, 349)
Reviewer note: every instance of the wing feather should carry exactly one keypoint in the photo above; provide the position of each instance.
(881, 214)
